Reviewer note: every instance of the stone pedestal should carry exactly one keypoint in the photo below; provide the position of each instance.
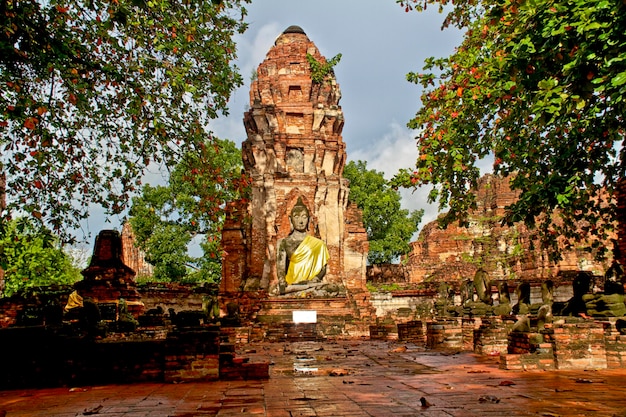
(528, 351)
(444, 334)
(579, 346)
(491, 337)
(412, 331)
(336, 317)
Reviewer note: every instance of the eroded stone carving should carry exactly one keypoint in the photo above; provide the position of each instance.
(483, 305)
(302, 259)
(523, 299)
(504, 300)
(295, 160)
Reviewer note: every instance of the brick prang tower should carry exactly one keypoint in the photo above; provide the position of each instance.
(293, 149)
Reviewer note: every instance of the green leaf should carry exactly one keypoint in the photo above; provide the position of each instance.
(131, 83)
(546, 83)
(619, 79)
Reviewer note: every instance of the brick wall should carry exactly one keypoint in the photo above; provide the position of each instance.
(44, 357)
(574, 344)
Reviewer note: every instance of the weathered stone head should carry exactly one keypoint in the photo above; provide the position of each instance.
(299, 216)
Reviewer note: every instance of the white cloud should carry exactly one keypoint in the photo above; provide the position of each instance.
(395, 150)
(261, 43)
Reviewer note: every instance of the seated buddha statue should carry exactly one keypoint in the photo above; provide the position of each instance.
(301, 259)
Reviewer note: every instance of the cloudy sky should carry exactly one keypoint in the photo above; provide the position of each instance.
(379, 43)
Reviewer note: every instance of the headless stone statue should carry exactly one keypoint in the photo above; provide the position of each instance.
(611, 302)
(483, 305)
(547, 292)
(503, 293)
(575, 306)
(483, 287)
(302, 259)
(467, 292)
(444, 304)
(544, 313)
(125, 322)
(613, 279)
(523, 299)
(504, 300)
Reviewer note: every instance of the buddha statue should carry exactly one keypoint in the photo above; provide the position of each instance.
(301, 259)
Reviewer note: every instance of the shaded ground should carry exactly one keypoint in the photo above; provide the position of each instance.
(347, 378)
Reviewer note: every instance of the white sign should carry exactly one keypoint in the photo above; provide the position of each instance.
(304, 316)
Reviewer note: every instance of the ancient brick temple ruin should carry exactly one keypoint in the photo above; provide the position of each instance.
(459, 291)
(293, 152)
(107, 279)
(457, 252)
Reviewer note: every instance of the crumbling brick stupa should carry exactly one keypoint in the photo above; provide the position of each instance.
(505, 252)
(294, 155)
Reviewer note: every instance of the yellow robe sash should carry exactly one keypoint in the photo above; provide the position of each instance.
(73, 301)
(307, 261)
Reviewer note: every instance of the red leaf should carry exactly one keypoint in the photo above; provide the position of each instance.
(30, 123)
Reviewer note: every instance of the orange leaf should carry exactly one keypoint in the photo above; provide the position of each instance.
(30, 123)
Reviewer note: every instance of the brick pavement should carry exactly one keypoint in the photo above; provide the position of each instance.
(347, 378)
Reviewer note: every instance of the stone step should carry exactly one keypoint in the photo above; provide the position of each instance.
(323, 307)
(291, 332)
(305, 303)
(334, 311)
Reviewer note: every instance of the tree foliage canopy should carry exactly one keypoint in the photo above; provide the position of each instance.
(540, 86)
(31, 256)
(91, 92)
(389, 227)
(165, 218)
